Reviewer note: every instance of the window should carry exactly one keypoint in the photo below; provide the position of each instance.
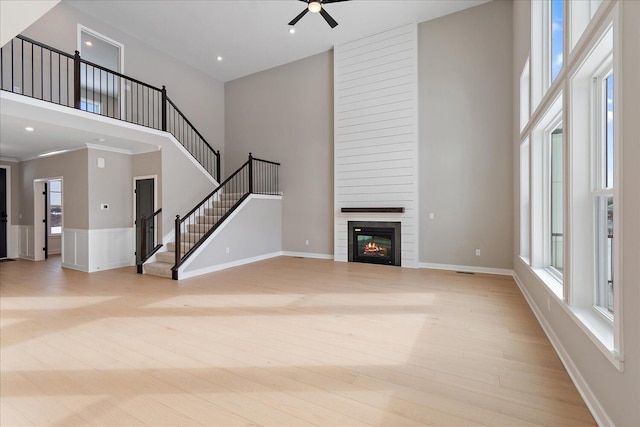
(525, 197)
(556, 210)
(547, 56)
(90, 106)
(556, 37)
(603, 193)
(55, 206)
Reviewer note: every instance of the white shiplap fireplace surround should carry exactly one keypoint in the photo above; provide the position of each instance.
(376, 135)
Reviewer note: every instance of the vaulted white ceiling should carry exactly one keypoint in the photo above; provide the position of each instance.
(250, 35)
(253, 35)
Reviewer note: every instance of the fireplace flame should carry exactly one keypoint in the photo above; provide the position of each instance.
(371, 248)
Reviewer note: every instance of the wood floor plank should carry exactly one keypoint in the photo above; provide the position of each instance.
(287, 341)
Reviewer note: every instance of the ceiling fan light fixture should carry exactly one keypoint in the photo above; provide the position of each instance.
(314, 6)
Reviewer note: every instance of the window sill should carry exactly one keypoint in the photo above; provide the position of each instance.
(593, 324)
(599, 331)
(552, 283)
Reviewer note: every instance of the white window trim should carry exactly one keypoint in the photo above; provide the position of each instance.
(555, 123)
(608, 339)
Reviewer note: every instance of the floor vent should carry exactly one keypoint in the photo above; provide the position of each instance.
(465, 272)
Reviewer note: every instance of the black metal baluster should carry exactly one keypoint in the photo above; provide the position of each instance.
(50, 73)
(32, 91)
(12, 67)
(59, 80)
(22, 68)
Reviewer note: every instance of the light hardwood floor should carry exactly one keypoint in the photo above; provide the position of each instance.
(283, 342)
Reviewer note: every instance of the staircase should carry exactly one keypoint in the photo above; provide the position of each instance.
(80, 84)
(212, 216)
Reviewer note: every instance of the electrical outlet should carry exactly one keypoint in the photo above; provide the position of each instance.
(477, 252)
(306, 242)
(228, 250)
(432, 215)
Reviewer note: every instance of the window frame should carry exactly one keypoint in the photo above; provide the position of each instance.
(556, 122)
(601, 189)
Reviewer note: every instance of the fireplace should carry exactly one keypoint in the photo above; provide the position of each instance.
(374, 242)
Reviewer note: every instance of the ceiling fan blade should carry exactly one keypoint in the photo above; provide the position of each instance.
(332, 23)
(331, 1)
(297, 18)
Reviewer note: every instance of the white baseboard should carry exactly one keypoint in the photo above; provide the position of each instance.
(306, 255)
(214, 268)
(467, 268)
(590, 399)
(77, 267)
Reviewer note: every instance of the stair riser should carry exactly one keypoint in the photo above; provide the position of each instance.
(215, 211)
(158, 269)
(200, 228)
(168, 257)
(207, 220)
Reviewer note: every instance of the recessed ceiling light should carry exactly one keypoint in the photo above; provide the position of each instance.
(292, 30)
(89, 43)
(29, 129)
(219, 58)
(52, 153)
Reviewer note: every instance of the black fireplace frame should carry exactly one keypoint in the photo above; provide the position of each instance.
(393, 228)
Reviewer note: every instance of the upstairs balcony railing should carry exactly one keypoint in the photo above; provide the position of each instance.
(33, 69)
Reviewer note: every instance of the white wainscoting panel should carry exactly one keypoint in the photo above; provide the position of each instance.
(25, 241)
(75, 249)
(376, 134)
(95, 250)
(55, 244)
(111, 248)
(13, 239)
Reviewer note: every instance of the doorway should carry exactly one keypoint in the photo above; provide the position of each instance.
(145, 201)
(4, 215)
(40, 220)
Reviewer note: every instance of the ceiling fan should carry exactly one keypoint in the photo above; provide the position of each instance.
(315, 6)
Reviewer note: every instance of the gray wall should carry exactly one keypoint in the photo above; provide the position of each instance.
(465, 104)
(286, 115)
(199, 96)
(73, 169)
(112, 185)
(617, 392)
(244, 235)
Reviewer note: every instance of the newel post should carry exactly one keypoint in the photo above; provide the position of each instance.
(164, 108)
(143, 237)
(174, 273)
(218, 166)
(250, 173)
(76, 80)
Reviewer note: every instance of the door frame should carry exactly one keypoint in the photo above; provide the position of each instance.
(135, 203)
(38, 233)
(10, 242)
